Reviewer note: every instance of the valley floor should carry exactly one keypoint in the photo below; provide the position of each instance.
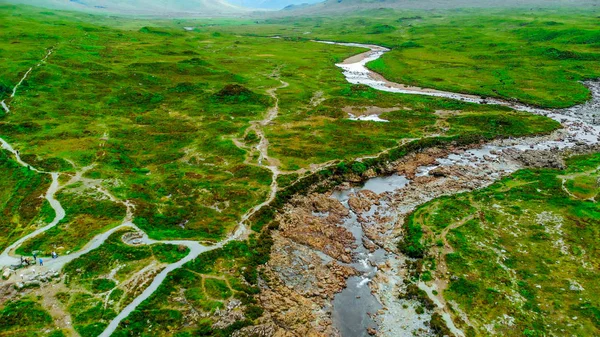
(194, 196)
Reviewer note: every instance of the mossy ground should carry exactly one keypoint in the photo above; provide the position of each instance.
(153, 107)
(536, 56)
(88, 213)
(104, 281)
(22, 208)
(146, 105)
(25, 317)
(525, 247)
(200, 288)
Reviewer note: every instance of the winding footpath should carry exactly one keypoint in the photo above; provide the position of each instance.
(241, 233)
(14, 91)
(578, 122)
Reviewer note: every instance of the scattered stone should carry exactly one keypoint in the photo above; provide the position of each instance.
(6, 273)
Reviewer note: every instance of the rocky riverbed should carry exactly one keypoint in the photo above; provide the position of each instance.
(335, 269)
(356, 228)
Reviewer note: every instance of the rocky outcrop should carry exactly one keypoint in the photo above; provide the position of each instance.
(306, 269)
(313, 221)
(408, 165)
(21, 281)
(228, 315)
(292, 313)
(539, 159)
(262, 330)
(362, 201)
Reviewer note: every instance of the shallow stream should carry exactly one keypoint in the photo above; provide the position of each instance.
(353, 308)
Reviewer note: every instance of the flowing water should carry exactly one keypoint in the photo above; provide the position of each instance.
(353, 307)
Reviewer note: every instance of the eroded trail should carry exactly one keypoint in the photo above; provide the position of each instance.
(241, 232)
(16, 87)
(496, 158)
(7, 258)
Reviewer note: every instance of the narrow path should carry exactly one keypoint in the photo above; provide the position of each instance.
(56, 264)
(14, 91)
(196, 248)
(5, 107)
(441, 282)
(355, 72)
(5, 258)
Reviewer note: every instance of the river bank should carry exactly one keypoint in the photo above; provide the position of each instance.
(335, 267)
(373, 221)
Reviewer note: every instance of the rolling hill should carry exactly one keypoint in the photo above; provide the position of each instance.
(144, 7)
(347, 6)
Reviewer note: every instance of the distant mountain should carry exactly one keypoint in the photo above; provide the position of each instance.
(272, 4)
(144, 7)
(345, 6)
(181, 8)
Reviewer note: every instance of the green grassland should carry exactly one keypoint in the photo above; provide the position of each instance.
(297, 139)
(153, 107)
(185, 303)
(525, 247)
(22, 207)
(149, 107)
(162, 123)
(25, 317)
(87, 215)
(103, 282)
(534, 56)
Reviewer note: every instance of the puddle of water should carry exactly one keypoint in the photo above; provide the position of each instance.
(385, 184)
(351, 308)
(378, 185)
(370, 118)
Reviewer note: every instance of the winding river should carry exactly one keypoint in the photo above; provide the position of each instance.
(353, 308)
(580, 127)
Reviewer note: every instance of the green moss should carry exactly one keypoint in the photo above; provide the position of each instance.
(23, 314)
(102, 285)
(528, 241)
(216, 288)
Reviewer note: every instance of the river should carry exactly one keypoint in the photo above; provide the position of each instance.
(354, 308)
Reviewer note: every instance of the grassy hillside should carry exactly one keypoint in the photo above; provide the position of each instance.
(167, 119)
(537, 56)
(522, 254)
(350, 7)
(146, 107)
(153, 8)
